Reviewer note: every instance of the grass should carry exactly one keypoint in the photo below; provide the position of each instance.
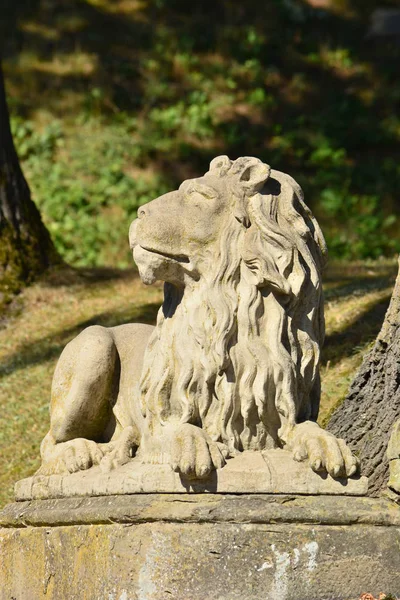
(51, 312)
(357, 296)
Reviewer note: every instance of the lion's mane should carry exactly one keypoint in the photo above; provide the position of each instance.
(239, 353)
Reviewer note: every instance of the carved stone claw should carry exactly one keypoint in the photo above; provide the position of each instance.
(194, 454)
(324, 451)
(118, 452)
(69, 457)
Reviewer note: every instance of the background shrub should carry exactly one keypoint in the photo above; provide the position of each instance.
(114, 103)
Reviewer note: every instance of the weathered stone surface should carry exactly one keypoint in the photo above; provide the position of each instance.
(272, 471)
(372, 406)
(205, 547)
(203, 508)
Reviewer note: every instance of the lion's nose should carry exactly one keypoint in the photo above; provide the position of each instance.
(141, 212)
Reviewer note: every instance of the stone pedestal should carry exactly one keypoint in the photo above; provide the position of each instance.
(199, 547)
(268, 472)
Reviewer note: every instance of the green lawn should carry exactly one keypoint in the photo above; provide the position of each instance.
(53, 311)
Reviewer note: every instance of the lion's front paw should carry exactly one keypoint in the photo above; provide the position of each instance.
(68, 457)
(323, 450)
(119, 452)
(81, 454)
(194, 454)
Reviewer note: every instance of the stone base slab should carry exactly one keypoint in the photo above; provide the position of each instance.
(268, 472)
(199, 547)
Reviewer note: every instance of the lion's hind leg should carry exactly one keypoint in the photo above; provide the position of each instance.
(83, 390)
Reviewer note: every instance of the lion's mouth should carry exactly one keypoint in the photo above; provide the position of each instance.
(181, 258)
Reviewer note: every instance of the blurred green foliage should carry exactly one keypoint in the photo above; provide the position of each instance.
(118, 102)
(82, 190)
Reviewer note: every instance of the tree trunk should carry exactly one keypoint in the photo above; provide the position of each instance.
(372, 406)
(26, 248)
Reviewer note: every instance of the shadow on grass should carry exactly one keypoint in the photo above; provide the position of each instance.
(50, 347)
(358, 334)
(75, 276)
(357, 287)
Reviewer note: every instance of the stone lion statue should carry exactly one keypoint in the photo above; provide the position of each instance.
(233, 361)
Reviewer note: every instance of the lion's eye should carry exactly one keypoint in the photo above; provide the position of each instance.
(202, 192)
(195, 194)
(195, 189)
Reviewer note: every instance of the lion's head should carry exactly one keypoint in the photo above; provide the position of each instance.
(237, 344)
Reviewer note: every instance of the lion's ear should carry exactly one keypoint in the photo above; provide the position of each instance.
(220, 163)
(252, 174)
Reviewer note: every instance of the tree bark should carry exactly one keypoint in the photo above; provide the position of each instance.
(26, 249)
(372, 406)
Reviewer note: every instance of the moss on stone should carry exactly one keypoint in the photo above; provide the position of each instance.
(21, 260)
(11, 268)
